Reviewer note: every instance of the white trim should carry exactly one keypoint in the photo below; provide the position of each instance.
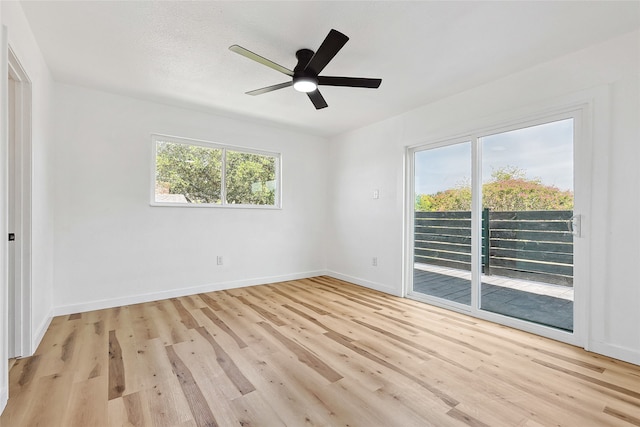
(617, 352)
(214, 206)
(442, 303)
(223, 176)
(366, 283)
(179, 292)
(4, 312)
(599, 130)
(408, 222)
(23, 177)
(39, 332)
(476, 223)
(4, 398)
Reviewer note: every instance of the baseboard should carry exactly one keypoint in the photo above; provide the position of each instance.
(617, 352)
(38, 334)
(4, 398)
(366, 283)
(180, 292)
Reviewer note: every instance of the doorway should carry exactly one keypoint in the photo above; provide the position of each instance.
(494, 222)
(19, 209)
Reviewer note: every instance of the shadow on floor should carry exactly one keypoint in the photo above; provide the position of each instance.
(542, 309)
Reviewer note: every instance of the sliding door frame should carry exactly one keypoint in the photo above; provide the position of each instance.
(580, 110)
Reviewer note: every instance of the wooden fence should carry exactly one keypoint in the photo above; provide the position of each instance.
(530, 245)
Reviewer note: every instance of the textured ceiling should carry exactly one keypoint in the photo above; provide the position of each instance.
(177, 52)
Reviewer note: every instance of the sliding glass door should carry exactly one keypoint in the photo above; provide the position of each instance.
(493, 223)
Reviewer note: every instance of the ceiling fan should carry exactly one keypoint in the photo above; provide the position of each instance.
(304, 77)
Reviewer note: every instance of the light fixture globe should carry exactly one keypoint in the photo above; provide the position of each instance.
(305, 83)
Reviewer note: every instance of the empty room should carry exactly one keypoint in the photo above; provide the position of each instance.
(320, 213)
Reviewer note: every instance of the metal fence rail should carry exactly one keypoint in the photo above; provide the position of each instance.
(531, 245)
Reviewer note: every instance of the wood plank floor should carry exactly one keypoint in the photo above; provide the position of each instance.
(312, 352)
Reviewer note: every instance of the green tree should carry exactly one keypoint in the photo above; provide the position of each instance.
(508, 190)
(453, 199)
(190, 170)
(507, 173)
(424, 202)
(196, 173)
(250, 178)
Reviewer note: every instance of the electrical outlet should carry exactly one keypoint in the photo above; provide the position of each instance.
(219, 260)
(376, 194)
(374, 261)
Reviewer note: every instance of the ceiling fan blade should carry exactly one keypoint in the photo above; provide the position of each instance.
(269, 88)
(264, 61)
(349, 81)
(327, 50)
(317, 99)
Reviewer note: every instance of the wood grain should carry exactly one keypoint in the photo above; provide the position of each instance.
(227, 364)
(622, 415)
(309, 352)
(185, 317)
(220, 324)
(210, 302)
(202, 414)
(116, 367)
(304, 355)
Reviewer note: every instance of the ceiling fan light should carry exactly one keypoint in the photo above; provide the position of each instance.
(305, 84)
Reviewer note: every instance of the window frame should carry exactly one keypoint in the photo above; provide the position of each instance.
(155, 138)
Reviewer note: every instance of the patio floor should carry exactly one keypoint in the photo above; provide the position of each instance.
(548, 305)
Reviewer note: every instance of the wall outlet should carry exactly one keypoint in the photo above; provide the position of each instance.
(376, 194)
(219, 260)
(374, 261)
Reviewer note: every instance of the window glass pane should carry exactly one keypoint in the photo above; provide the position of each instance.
(527, 198)
(250, 178)
(187, 173)
(442, 241)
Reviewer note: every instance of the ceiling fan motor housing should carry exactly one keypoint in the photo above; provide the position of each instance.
(304, 56)
(304, 80)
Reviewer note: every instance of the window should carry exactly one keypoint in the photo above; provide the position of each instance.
(198, 173)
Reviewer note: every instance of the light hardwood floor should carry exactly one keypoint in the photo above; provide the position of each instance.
(313, 352)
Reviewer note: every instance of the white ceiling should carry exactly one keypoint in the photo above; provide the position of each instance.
(177, 52)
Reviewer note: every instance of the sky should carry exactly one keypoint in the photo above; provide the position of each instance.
(543, 152)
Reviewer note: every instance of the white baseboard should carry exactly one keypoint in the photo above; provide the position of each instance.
(38, 333)
(617, 352)
(366, 283)
(4, 398)
(179, 292)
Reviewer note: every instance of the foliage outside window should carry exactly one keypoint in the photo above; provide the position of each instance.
(202, 174)
(508, 190)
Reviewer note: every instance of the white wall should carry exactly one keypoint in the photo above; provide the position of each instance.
(21, 40)
(373, 157)
(113, 248)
